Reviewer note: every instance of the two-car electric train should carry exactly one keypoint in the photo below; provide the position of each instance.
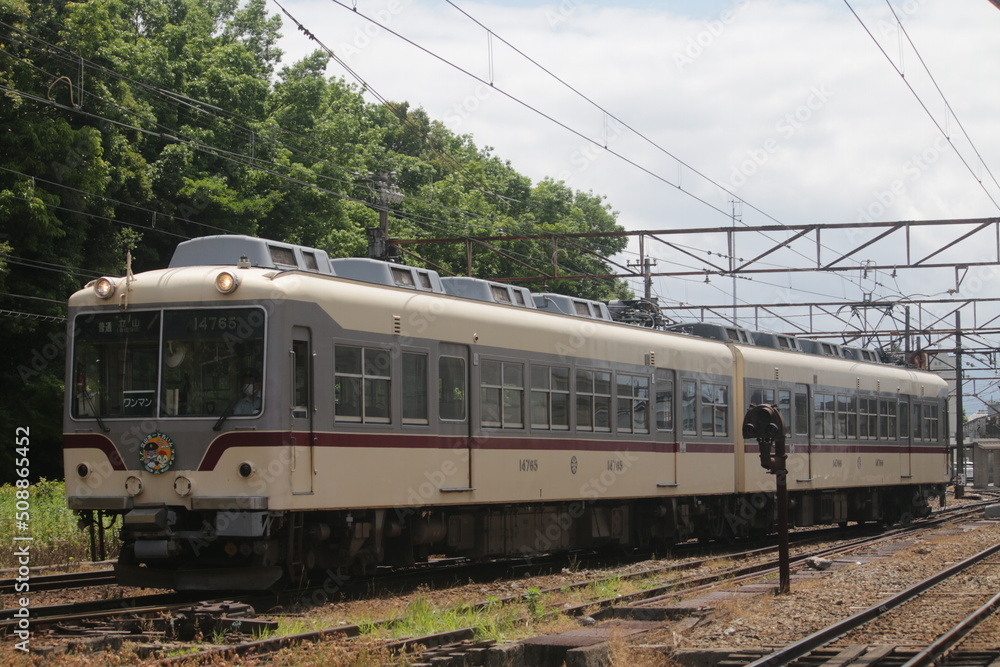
(257, 412)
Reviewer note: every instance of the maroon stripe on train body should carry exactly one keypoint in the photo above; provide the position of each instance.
(413, 441)
(859, 448)
(95, 441)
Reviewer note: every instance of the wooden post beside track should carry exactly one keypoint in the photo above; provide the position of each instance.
(764, 423)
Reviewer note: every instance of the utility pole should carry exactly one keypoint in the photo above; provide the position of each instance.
(646, 264)
(959, 409)
(388, 193)
(732, 252)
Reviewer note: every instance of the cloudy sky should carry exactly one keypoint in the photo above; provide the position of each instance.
(789, 106)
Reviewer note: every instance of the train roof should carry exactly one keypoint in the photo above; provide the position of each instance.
(386, 273)
(569, 305)
(489, 291)
(231, 249)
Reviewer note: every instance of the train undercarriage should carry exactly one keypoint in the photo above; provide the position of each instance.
(171, 547)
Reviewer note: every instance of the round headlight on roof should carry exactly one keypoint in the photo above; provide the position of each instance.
(104, 288)
(226, 282)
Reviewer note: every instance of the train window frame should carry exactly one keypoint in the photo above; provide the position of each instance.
(785, 408)
(824, 419)
(843, 417)
(501, 394)
(931, 426)
(888, 412)
(370, 384)
(460, 390)
(589, 401)
(548, 389)
(802, 402)
(714, 398)
(904, 418)
(632, 403)
(414, 389)
(867, 418)
(689, 406)
(664, 401)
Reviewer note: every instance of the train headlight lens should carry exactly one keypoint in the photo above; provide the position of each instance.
(246, 469)
(104, 288)
(182, 485)
(133, 486)
(226, 282)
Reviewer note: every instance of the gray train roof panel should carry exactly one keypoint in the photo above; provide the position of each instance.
(486, 290)
(713, 331)
(568, 305)
(228, 249)
(388, 274)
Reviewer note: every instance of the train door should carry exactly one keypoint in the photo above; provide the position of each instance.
(302, 438)
(454, 420)
(666, 433)
(905, 439)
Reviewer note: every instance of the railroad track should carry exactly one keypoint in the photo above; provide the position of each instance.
(61, 581)
(816, 646)
(457, 643)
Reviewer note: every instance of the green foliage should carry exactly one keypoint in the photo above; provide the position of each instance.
(56, 539)
(129, 125)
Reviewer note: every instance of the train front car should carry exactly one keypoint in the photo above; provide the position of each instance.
(168, 371)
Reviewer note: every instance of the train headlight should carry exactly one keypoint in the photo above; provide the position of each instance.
(246, 470)
(226, 282)
(182, 485)
(133, 485)
(83, 470)
(104, 288)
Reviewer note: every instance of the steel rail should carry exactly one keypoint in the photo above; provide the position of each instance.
(814, 641)
(940, 646)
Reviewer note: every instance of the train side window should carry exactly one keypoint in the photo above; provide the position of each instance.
(931, 423)
(593, 400)
(664, 404)
(868, 418)
(451, 388)
(917, 421)
(761, 396)
(633, 403)
(501, 394)
(300, 375)
(689, 407)
(842, 417)
(824, 411)
(714, 409)
(904, 419)
(414, 388)
(785, 408)
(852, 417)
(549, 398)
(801, 409)
(362, 382)
(887, 419)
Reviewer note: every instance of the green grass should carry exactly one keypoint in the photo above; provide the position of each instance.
(56, 539)
(422, 617)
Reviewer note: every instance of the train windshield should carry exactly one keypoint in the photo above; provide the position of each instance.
(172, 363)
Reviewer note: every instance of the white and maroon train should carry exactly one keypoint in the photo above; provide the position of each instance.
(256, 412)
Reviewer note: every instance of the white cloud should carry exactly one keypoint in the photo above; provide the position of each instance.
(787, 103)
